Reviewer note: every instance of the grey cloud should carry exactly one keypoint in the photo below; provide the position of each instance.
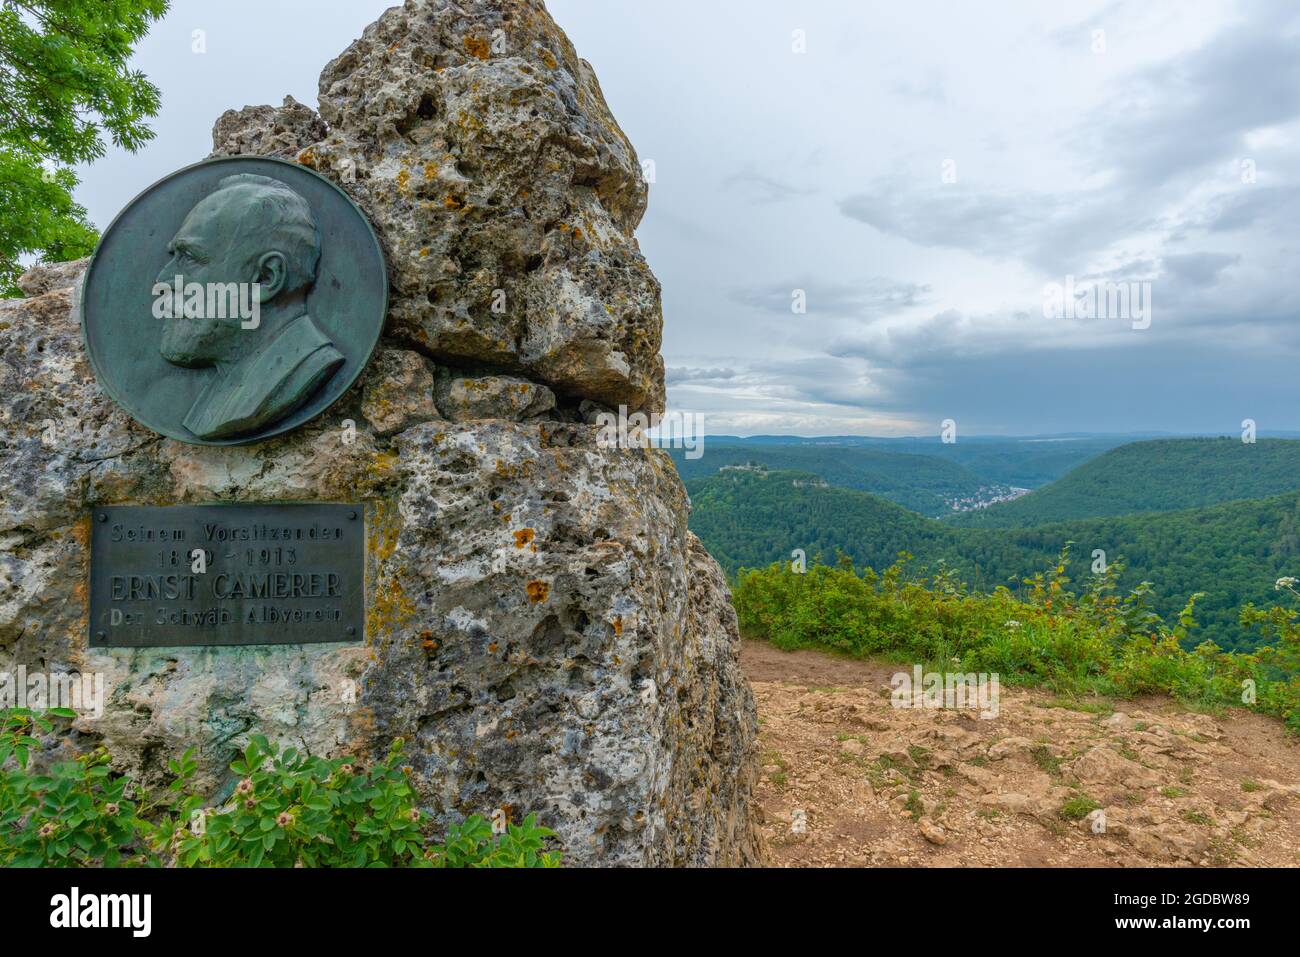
(1080, 166)
(868, 298)
(760, 188)
(1133, 270)
(828, 379)
(686, 227)
(1077, 36)
(929, 90)
(676, 375)
(1151, 143)
(1148, 384)
(999, 224)
(1194, 110)
(1199, 269)
(1254, 206)
(947, 334)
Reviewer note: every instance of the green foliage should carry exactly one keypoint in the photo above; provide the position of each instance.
(1157, 476)
(1093, 642)
(288, 809)
(38, 215)
(1232, 553)
(472, 844)
(1280, 654)
(64, 82)
(1024, 463)
(1078, 807)
(749, 519)
(78, 814)
(291, 808)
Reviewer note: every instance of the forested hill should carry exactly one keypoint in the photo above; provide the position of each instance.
(1233, 552)
(1022, 461)
(924, 483)
(1154, 476)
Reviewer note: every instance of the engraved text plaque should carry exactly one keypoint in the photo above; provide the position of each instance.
(238, 574)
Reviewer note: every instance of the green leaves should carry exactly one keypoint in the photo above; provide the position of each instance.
(472, 844)
(1094, 643)
(288, 809)
(64, 83)
(76, 814)
(66, 80)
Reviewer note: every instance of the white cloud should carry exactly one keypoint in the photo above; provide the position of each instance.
(825, 171)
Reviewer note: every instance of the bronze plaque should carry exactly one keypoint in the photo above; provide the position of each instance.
(186, 575)
(233, 300)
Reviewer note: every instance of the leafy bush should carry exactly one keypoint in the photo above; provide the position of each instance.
(288, 809)
(1093, 642)
(1233, 552)
(472, 844)
(1078, 807)
(77, 814)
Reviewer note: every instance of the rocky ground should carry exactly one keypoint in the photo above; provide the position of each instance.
(848, 780)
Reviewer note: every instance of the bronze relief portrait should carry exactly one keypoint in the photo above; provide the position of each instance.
(234, 301)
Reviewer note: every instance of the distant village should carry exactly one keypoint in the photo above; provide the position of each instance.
(985, 496)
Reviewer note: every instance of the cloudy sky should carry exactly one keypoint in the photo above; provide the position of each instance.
(915, 177)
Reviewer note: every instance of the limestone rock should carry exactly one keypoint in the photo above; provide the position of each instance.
(1010, 747)
(464, 398)
(47, 277)
(964, 743)
(267, 130)
(983, 779)
(398, 392)
(503, 190)
(1169, 841)
(542, 629)
(1101, 765)
(714, 725)
(932, 832)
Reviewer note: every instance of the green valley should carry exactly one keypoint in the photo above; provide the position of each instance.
(1232, 552)
(1154, 476)
(926, 484)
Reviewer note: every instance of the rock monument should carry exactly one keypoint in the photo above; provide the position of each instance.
(539, 624)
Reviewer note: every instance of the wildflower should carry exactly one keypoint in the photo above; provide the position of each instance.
(1012, 623)
(111, 810)
(414, 815)
(250, 804)
(245, 786)
(285, 819)
(47, 830)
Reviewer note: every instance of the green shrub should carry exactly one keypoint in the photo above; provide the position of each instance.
(78, 814)
(288, 809)
(1078, 807)
(1093, 642)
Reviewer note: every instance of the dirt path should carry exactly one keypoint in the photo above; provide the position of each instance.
(870, 784)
